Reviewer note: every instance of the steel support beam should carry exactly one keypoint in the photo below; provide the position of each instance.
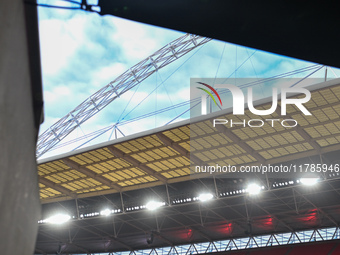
(84, 170)
(225, 131)
(119, 154)
(62, 241)
(155, 233)
(126, 81)
(302, 132)
(57, 187)
(107, 235)
(319, 209)
(182, 151)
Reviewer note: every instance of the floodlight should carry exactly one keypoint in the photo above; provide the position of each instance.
(254, 189)
(205, 197)
(309, 181)
(105, 212)
(58, 219)
(153, 205)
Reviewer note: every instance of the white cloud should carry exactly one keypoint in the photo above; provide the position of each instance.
(106, 74)
(82, 52)
(57, 46)
(138, 40)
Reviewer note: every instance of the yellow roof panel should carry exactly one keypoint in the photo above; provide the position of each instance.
(163, 155)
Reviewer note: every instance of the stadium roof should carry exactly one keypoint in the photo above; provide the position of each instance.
(155, 166)
(163, 155)
(284, 207)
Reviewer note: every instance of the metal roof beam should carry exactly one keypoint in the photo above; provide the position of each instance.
(182, 151)
(119, 154)
(48, 235)
(157, 234)
(302, 132)
(106, 235)
(285, 131)
(266, 149)
(303, 154)
(278, 111)
(126, 81)
(273, 216)
(121, 243)
(318, 208)
(56, 186)
(336, 103)
(124, 168)
(185, 178)
(192, 227)
(84, 170)
(225, 131)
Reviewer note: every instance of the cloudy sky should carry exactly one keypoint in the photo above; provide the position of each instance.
(82, 52)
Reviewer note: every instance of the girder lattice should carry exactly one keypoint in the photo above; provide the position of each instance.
(126, 81)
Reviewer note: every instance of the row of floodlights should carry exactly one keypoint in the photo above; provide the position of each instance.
(252, 189)
(334, 175)
(284, 183)
(56, 219)
(102, 213)
(304, 181)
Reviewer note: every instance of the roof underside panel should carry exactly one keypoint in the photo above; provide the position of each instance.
(164, 156)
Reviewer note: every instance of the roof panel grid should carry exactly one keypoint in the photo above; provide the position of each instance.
(164, 155)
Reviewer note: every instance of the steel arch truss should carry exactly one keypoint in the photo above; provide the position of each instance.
(126, 81)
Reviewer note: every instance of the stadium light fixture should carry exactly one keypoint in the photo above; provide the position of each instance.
(58, 219)
(205, 197)
(309, 181)
(254, 189)
(153, 205)
(105, 212)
